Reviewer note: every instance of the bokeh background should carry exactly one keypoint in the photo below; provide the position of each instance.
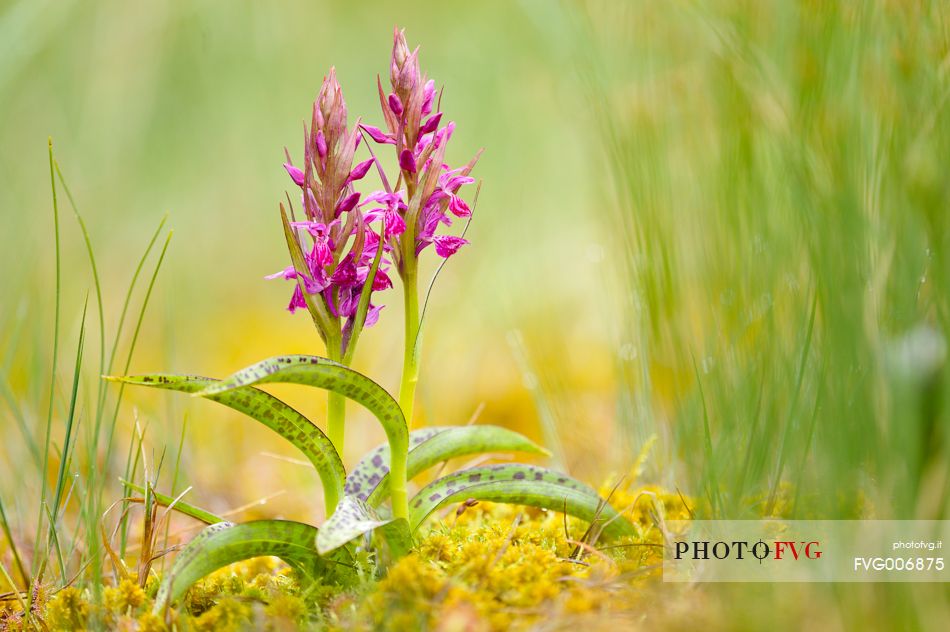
(715, 229)
(184, 109)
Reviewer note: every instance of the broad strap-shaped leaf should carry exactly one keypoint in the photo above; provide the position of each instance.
(428, 447)
(374, 466)
(398, 538)
(270, 411)
(520, 485)
(352, 518)
(226, 543)
(325, 374)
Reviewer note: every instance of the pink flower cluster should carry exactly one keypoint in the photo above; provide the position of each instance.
(337, 233)
(430, 193)
(341, 244)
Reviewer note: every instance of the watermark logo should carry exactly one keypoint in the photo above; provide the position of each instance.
(742, 549)
(805, 551)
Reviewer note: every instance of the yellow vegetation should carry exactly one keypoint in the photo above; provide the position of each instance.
(493, 567)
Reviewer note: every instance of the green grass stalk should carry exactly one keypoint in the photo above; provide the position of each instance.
(52, 387)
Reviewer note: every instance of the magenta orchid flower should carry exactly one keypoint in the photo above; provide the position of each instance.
(345, 236)
(430, 186)
(427, 195)
(339, 245)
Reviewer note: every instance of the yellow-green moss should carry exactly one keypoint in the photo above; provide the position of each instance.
(495, 567)
(204, 593)
(286, 612)
(228, 615)
(68, 610)
(126, 598)
(149, 622)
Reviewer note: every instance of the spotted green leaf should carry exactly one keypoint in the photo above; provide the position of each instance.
(428, 447)
(225, 543)
(333, 376)
(271, 412)
(520, 485)
(352, 518)
(398, 538)
(326, 374)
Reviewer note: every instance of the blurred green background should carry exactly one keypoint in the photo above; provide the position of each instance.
(722, 224)
(184, 108)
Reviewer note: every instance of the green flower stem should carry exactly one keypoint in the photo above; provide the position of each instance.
(407, 390)
(336, 403)
(397, 478)
(410, 365)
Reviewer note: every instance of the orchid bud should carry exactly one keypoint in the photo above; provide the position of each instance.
(347, 203)
(431, 124)
(395, 104)
(360, 170)
(408, 77)
(332, 109)
(378, 135)
(428, 97)
(400, 53)
(295, 174)
(407, 161)
(321, 145)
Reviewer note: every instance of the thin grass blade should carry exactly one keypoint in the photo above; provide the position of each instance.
(182, 507)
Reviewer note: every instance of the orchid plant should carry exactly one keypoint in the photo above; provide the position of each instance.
(342, 246)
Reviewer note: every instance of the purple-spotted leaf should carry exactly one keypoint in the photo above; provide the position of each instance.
(325, 374)
(519, 484)
(374, 466)
(338, 378)
(352, 518)
(226, 543)
(369, 480)
(271, 412)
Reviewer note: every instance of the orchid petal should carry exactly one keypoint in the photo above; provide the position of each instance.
(395, 224)
(296, 301)
(372, 315)
(459, 207)
(448, 245)
(345, 273)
